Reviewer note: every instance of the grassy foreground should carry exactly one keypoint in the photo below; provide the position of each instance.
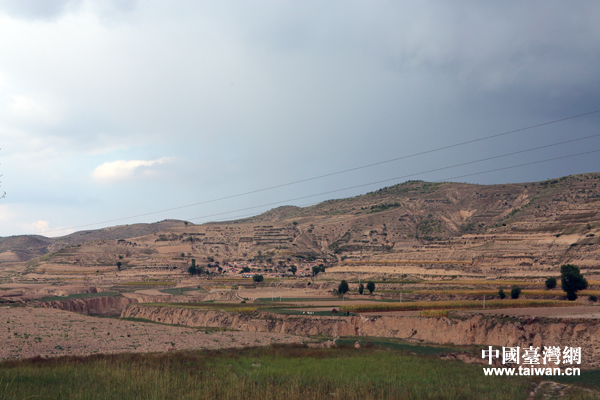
(278, 372)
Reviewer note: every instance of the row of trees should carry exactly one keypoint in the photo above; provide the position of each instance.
(343, 287)
(571, 281)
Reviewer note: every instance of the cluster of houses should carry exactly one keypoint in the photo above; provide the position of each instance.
(248, 269)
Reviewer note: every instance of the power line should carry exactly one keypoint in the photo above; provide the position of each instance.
(396, 179)
(332, 173)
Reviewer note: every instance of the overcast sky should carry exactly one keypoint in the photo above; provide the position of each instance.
(112, 109)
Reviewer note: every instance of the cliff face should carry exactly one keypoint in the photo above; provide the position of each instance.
(95, 305)
(475, 330)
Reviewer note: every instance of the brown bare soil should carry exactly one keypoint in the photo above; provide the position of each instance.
(30, 332)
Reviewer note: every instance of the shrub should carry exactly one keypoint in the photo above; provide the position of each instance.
(515, 293)
(593, 298)
(572, 281)
(371, 287)
(501, 294)
(550, 283)
(434, 313)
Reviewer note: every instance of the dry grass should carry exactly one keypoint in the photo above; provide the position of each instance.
(148, 283)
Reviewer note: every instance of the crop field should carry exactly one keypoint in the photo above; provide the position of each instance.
(457, 305)
(148, 283)
(80, 296)
(491, 292)
(277, 372)
(230, 307)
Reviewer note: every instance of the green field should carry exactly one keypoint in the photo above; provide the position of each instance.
(278, 372)
(79, 296)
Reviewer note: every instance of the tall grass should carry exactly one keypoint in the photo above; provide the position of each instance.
(273, 373)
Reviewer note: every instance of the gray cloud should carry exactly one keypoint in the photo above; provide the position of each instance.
(243, 95)
(38, 9)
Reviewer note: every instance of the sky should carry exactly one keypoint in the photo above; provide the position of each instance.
(118, 112)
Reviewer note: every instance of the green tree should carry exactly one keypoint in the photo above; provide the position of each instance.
(551, 283)
(343, 287)
(119, 265)
(246, 269)
(257, 278)
(371, 287)
(293, 269)
(501, 294)
(572, 281)
(361, 288)
(515, 293)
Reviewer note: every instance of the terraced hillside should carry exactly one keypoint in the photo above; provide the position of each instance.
(414, 228)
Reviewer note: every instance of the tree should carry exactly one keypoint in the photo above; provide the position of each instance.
(195, 269)
(257, 278)
(119, 265)
(318, 269)
(501, 294)
(515, 293)
(245, 269)
(293, 269)
(343, 287)
(572, 281)
(361, 288)
(550, 283)
(371, 287)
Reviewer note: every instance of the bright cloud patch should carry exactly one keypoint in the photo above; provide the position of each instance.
(119, 170)
(38, 226)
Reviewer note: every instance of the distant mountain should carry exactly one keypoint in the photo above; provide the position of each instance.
(510, 227)
(27, 247)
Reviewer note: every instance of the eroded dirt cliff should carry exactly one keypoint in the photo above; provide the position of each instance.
(96, 305)
(475, 330)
